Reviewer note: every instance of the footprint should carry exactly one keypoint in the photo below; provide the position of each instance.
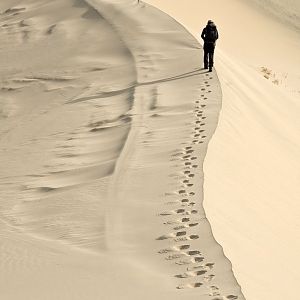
(180, 227)
(193, 224)
(214, 293)
(232, 297)
(190, 151)
(198, 259)
(172, 222)
(210, 265)
(190, 285)
(192, 212)
(191, 274)
(173, 256)
(189, 238)
(177, 248)
(164, 251)
(188, 147)
(201, 267)
(209, 278)
(172, 212)
(191, 175)
(187, 172)
(180, 233)
(165, 237)
(185, 226)
(193, 252)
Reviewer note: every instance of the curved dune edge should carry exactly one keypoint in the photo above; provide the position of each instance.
(168, 245)
(208, 90)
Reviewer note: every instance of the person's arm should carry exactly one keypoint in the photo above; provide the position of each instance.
(217, 34)
(203, 34)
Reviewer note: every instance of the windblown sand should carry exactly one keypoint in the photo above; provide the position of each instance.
(106, 116)
(252, 168)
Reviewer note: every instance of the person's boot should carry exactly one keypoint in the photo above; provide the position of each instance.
(205, 67)
(210, 69)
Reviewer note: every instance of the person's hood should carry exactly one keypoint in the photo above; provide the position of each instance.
(211, 25)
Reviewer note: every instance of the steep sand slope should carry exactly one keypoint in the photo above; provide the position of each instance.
(252, 175)
(105, 121)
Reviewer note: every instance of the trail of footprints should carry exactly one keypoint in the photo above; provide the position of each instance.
(183, 219)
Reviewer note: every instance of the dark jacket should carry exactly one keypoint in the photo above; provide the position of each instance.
(210, 33)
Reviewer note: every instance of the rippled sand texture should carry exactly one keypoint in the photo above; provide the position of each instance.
(105, 118)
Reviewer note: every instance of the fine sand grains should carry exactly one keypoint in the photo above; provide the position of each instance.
(103, 138)
(183, 218)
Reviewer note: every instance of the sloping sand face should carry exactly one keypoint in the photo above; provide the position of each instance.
(105, 119)
(252, 166)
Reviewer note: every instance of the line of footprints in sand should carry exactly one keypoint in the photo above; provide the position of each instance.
(184, 219)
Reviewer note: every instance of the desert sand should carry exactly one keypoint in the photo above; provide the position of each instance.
(251, 186)
(106, 118)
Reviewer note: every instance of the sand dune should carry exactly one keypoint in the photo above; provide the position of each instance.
(252, 166)
(106, 116)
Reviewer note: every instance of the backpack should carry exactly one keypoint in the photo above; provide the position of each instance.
(211, 34)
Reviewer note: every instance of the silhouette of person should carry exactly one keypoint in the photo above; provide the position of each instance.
(209, 35)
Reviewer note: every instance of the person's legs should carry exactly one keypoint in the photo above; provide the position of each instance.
(211, 56)
(205, 48)
(211, 60)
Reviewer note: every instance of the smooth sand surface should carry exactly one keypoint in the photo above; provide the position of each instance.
(251, 190)
(105, 119)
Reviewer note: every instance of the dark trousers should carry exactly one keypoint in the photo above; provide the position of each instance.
(209, 49)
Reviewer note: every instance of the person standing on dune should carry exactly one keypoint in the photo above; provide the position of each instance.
(209, 35)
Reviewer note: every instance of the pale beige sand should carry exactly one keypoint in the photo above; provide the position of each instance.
(105, 120)
(251, 191)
